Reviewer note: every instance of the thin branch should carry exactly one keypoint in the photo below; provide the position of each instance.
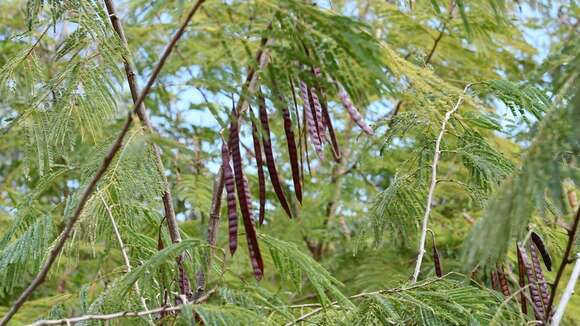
(567, 292)
(123, 249)
(122, 314)
(167, 198)
(565, 260)
(431, 193)
(58, 246)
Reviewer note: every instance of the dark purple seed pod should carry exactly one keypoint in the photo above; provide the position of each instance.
(537, 240)
(261, 176)
(436, 258)
(317, 114)
(503, 283)
(522, 281)
(244, 200)
(539, 274)
(353, 112)
(494, 280)
(290, 142)
(231, 199)
(311, 123)
(538, 306)
(270, 163)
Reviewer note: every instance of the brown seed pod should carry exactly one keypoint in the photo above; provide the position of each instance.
(244, 200)
(317, 112)
(290, 142)
(522, 281)
(260, 167)
(231, 199)
(539, 274)
(436, 258)
(539, 243)
(503, 283)
(353, 112)
(310, 120)
(270, 163)
(494, 280)
(538, 306)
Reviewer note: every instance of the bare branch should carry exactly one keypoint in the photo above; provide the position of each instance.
(117, 315)
(567, 292)
(58, 246)
(431, 193)
(167, 198)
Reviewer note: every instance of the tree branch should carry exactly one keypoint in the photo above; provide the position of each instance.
(431, 193)
(58, 246)
(122, 314)
(565, 261)
(167, 198)
(567, 292)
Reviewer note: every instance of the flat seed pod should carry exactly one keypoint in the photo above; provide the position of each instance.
(311, 123)
(353, 112)
(317, 112)
(494, 280)
(522, 281)
(270, 163)
(539, 243)
(230, 199)
(539, 310)
(436, 258)
(539, 274)
(244, 200)
(261, 176)
(290, 142)
(503, 283)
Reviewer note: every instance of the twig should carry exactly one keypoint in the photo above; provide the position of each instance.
(565, 261)
(122, 248)
(58, 246)
(431, 193)
(567, 292)
(122, 314)
(167, 198)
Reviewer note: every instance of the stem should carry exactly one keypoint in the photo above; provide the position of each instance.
(167, 198)
(123, 249)
(567, 292)
(122, 314)
(58, 246)
(565, 261)
(431, 193)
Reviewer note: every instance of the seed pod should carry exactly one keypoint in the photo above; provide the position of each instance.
(315, 105)
(231, 199)
(494, 280)
(537, 240)
(436, 258)
(522, 281)
(244, 200)
(534, 291)
(270, 163)
(299, 129)
(260, 167)
(353, 112)
(503, 283)
(290, 142)
(312, 127)
(539, 274)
